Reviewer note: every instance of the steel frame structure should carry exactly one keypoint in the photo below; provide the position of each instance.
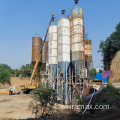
(67, 85)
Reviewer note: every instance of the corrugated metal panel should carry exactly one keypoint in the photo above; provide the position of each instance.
(53, 44)
(36, 46)
(63, 40)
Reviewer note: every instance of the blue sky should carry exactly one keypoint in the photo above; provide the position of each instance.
(20, 20)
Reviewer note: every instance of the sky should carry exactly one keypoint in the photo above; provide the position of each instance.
(20, 20)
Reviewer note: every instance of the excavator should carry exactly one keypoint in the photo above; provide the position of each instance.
(32, 83)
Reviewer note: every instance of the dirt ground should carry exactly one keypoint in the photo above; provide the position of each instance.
(14, 106)
(116, 85)
(15, 81)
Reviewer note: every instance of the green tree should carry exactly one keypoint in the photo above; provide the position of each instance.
(110, 47)
(6, 72)
(44, 99)
(4, 66)
(4, 75)
(17, 73)
(25, 70)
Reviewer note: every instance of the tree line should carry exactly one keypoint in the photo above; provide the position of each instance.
(110, 47)
(6, 72)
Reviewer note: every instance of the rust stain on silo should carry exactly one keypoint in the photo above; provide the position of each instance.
(36, 46)
(88, 50)
(88, 57)
(77, 34)
(88, 47)
(78, 55)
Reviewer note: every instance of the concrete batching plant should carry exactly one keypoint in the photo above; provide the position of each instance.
(67, 53)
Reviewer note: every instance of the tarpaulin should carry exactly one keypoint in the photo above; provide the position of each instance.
(99, 77)
(106, 74)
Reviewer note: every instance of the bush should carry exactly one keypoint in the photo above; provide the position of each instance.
(4, 76)
(44, 99)
(108, 94)
(80, 102)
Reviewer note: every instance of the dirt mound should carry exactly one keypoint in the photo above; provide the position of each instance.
(16, 81)
(2, 86)
(115, 67)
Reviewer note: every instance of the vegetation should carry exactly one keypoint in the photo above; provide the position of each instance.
(44, 99)
(6, 72)
(108, 94)
(93, 72)
(80, 102)
(110, 47)
(24, 71)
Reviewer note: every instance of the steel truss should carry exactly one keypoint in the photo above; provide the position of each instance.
(68, 85)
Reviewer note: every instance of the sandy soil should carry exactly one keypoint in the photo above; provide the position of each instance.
(116, 85)
(4, 86)
(15, 81)
(14, 106)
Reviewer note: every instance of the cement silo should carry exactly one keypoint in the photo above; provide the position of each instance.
(88, 50)
(45, 52)
(88, 53)
(52, 46)
(44, 56)
(63, 44)
(36, 46)
(77, 36)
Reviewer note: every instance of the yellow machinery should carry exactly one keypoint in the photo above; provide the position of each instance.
(32, 84)
(4, 92)
(12, 91)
